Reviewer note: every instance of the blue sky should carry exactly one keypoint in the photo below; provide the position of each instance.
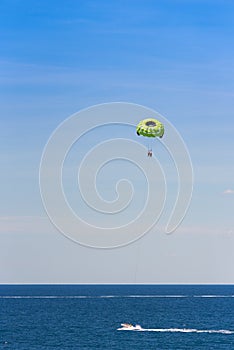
(173, 56)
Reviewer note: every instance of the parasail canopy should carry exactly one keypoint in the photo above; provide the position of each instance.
(150, 128)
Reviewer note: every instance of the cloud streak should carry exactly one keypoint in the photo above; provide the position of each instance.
(25, 224)
(228, 191)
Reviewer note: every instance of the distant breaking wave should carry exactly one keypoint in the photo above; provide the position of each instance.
(108, 296)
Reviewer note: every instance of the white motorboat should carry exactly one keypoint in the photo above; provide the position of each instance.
(129, 327)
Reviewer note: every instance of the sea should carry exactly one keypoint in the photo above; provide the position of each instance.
(38, 317)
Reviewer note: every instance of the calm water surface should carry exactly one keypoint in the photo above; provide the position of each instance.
(87, 317)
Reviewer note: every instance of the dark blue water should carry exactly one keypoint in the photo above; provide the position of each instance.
(87, 317)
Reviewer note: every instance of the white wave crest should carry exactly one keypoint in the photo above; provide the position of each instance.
(109, 296)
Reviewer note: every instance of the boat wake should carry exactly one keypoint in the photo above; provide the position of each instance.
(175, 330)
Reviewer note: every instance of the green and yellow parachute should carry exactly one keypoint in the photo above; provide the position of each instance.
(150, 128)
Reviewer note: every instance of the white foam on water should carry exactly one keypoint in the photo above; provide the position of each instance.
(43, 297)
(213, 296)
(109, 296)
(182, 330)
(155, 296)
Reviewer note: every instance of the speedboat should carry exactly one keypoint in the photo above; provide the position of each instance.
(129, 327)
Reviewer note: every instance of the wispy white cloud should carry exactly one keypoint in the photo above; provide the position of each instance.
(204, 230)
(25, 224)
(228, 191)
(165, 78)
